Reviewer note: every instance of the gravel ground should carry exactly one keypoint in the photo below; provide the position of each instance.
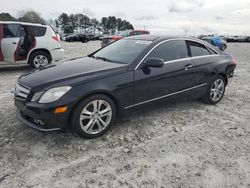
(177, 144)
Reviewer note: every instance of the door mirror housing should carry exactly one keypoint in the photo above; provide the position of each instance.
(154, 62)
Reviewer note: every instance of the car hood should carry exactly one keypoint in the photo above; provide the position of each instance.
(72, 72)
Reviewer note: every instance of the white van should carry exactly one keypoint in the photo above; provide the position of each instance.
(35, 44)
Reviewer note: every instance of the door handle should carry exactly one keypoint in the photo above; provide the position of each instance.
(188, 66)
(14, 43)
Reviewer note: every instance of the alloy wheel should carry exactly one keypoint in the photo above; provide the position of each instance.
(40, 61)
(95, 116)
(217, 90)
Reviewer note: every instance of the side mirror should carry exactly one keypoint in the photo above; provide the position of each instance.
(154, 62)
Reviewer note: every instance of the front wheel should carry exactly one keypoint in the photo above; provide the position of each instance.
(215, 91)
(93, 116)
(39, 59)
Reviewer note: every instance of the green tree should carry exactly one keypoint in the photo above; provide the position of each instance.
(73, 21)
(94, 22)
(31, 16)
(6, 17)
(104, 23)
(64, 22)
(111, 23)
(119, 24)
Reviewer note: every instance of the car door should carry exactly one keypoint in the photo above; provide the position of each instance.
(173, 77)
(202, 58)
(10, 41)
(1, 38)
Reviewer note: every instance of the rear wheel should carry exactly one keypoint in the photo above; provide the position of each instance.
(93, 116)
(223, 48)
(39, 59)
(215, 91)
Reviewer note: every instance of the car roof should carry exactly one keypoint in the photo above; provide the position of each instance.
(144, 37)
(159, 38)
(23, 23)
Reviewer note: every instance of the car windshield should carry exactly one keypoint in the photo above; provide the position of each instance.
(123, 51)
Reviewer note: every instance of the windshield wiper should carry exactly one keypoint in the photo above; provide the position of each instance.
(106, 59)
(102, 58)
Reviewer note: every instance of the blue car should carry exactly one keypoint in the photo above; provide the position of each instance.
(216, 41)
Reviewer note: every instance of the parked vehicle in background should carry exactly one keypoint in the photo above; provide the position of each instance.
(216, 41)
(109, 39)
(237, 39)
(88, 93)
(63, 36)
(139, 32)
(35, 44)
(96, 37)
(77, 37)
(247, 39)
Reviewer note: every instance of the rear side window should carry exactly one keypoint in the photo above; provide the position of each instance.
(37, 31)
(10, 30)
(212, 52)
(171, 50)
(197, 49)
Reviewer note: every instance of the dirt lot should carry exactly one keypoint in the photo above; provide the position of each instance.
(179, 144)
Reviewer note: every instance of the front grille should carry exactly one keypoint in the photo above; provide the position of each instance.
(21, 91)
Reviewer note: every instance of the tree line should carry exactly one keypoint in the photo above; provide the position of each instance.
(109, 24)
(24, 16)
(71, 22)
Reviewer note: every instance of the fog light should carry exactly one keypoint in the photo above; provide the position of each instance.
(61, 109)
(38, 121)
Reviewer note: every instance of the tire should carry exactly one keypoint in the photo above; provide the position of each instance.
(223, 48)
(39, 59)
(87, 122)
(215, 90)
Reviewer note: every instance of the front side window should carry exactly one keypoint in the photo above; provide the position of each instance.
(10, 30)
(197, 49)
(170, 50)
(122, 51)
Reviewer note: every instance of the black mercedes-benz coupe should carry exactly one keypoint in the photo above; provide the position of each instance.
(87, 94)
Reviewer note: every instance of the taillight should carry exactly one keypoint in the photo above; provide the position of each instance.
(56, 37)
(234, 61)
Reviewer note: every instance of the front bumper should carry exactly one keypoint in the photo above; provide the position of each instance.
(42, 116)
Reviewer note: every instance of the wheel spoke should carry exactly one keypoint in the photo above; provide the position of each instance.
(213, 96)
(100, 127)
(216, 84)
(105, 112)
(213, 90)
(95, 105)
(221, 84)
(89, 125)
(102, 122)
(219, 92)
(101, 102)
(86, 112)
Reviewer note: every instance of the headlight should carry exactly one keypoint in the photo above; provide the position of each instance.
(53, 94)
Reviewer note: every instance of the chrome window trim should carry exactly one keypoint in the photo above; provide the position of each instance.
(164, 96)
(172, 61)
(188, 58)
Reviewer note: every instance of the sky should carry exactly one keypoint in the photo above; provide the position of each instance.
(176, 17)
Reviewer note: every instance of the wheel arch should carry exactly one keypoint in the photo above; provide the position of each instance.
(36, 50)
(98, 92)
(224, 76)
